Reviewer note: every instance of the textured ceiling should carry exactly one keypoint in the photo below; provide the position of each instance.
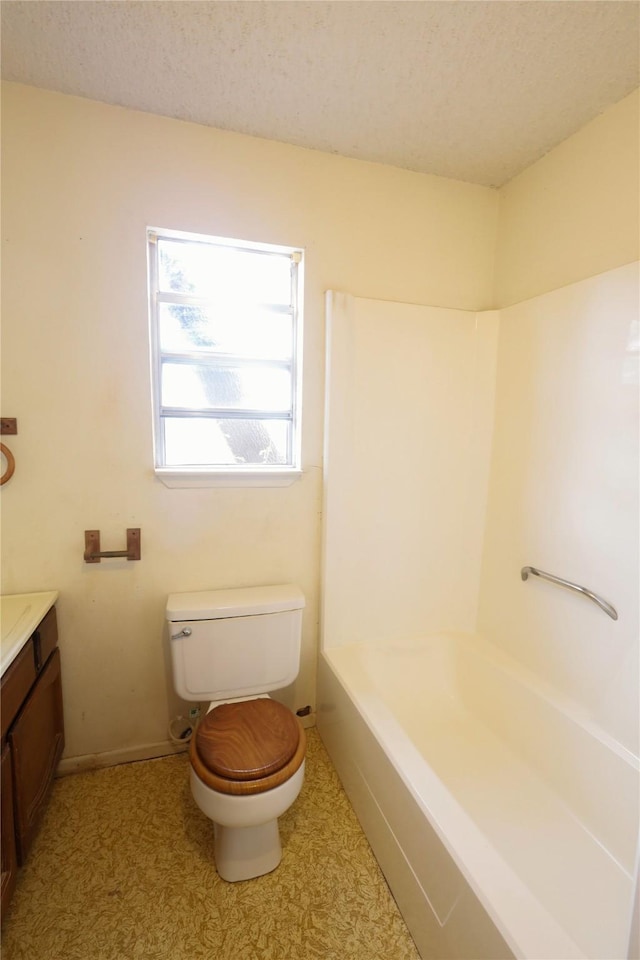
(467, 89)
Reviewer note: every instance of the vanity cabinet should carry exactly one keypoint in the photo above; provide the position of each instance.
(32, 726)
(8, 853)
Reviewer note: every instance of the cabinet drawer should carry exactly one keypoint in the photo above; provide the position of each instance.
(45, 639)
(16, 684)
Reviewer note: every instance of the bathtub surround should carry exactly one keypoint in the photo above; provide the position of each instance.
(544, 396)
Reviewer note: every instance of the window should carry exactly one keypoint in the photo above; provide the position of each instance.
(225, 345)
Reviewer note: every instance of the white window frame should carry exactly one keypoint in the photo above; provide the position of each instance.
(191, 475)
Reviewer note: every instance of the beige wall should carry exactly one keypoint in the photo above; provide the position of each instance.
(81, 182)
(574, 213)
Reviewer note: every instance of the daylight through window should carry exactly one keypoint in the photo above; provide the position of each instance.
(225, 337)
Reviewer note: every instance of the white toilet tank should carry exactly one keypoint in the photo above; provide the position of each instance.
(234, 643)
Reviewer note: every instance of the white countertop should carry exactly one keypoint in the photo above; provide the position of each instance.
(20, 614)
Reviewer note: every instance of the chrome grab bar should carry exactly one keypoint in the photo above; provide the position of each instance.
(608, 609)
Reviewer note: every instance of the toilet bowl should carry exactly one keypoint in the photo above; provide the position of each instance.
(247, 768)
(231, 648)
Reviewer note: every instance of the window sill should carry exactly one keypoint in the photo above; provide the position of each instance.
(177, 477)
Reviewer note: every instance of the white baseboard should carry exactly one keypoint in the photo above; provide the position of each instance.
(95, 761)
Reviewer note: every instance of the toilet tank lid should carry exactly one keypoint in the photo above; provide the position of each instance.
(237, 602)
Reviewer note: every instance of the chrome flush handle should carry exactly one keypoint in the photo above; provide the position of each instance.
(183, 633)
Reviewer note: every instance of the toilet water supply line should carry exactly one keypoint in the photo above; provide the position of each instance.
(180, 730)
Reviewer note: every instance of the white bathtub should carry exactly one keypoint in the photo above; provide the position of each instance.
(505, 823)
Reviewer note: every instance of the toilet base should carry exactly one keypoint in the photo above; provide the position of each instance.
(242, 853)
(246, 834)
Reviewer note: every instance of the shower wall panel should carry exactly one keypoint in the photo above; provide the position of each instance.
(409, 419)
(564, 494)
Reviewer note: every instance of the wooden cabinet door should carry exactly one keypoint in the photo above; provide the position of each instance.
(36, 740)
(7, 836)
(16, 684)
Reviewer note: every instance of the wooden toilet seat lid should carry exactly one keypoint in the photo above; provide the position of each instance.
(248, 740)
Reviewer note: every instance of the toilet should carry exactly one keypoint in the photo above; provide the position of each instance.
(230, 649)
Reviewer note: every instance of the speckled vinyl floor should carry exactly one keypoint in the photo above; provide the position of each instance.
(122, 868)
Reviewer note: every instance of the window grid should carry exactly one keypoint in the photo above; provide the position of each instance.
(219, 360)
